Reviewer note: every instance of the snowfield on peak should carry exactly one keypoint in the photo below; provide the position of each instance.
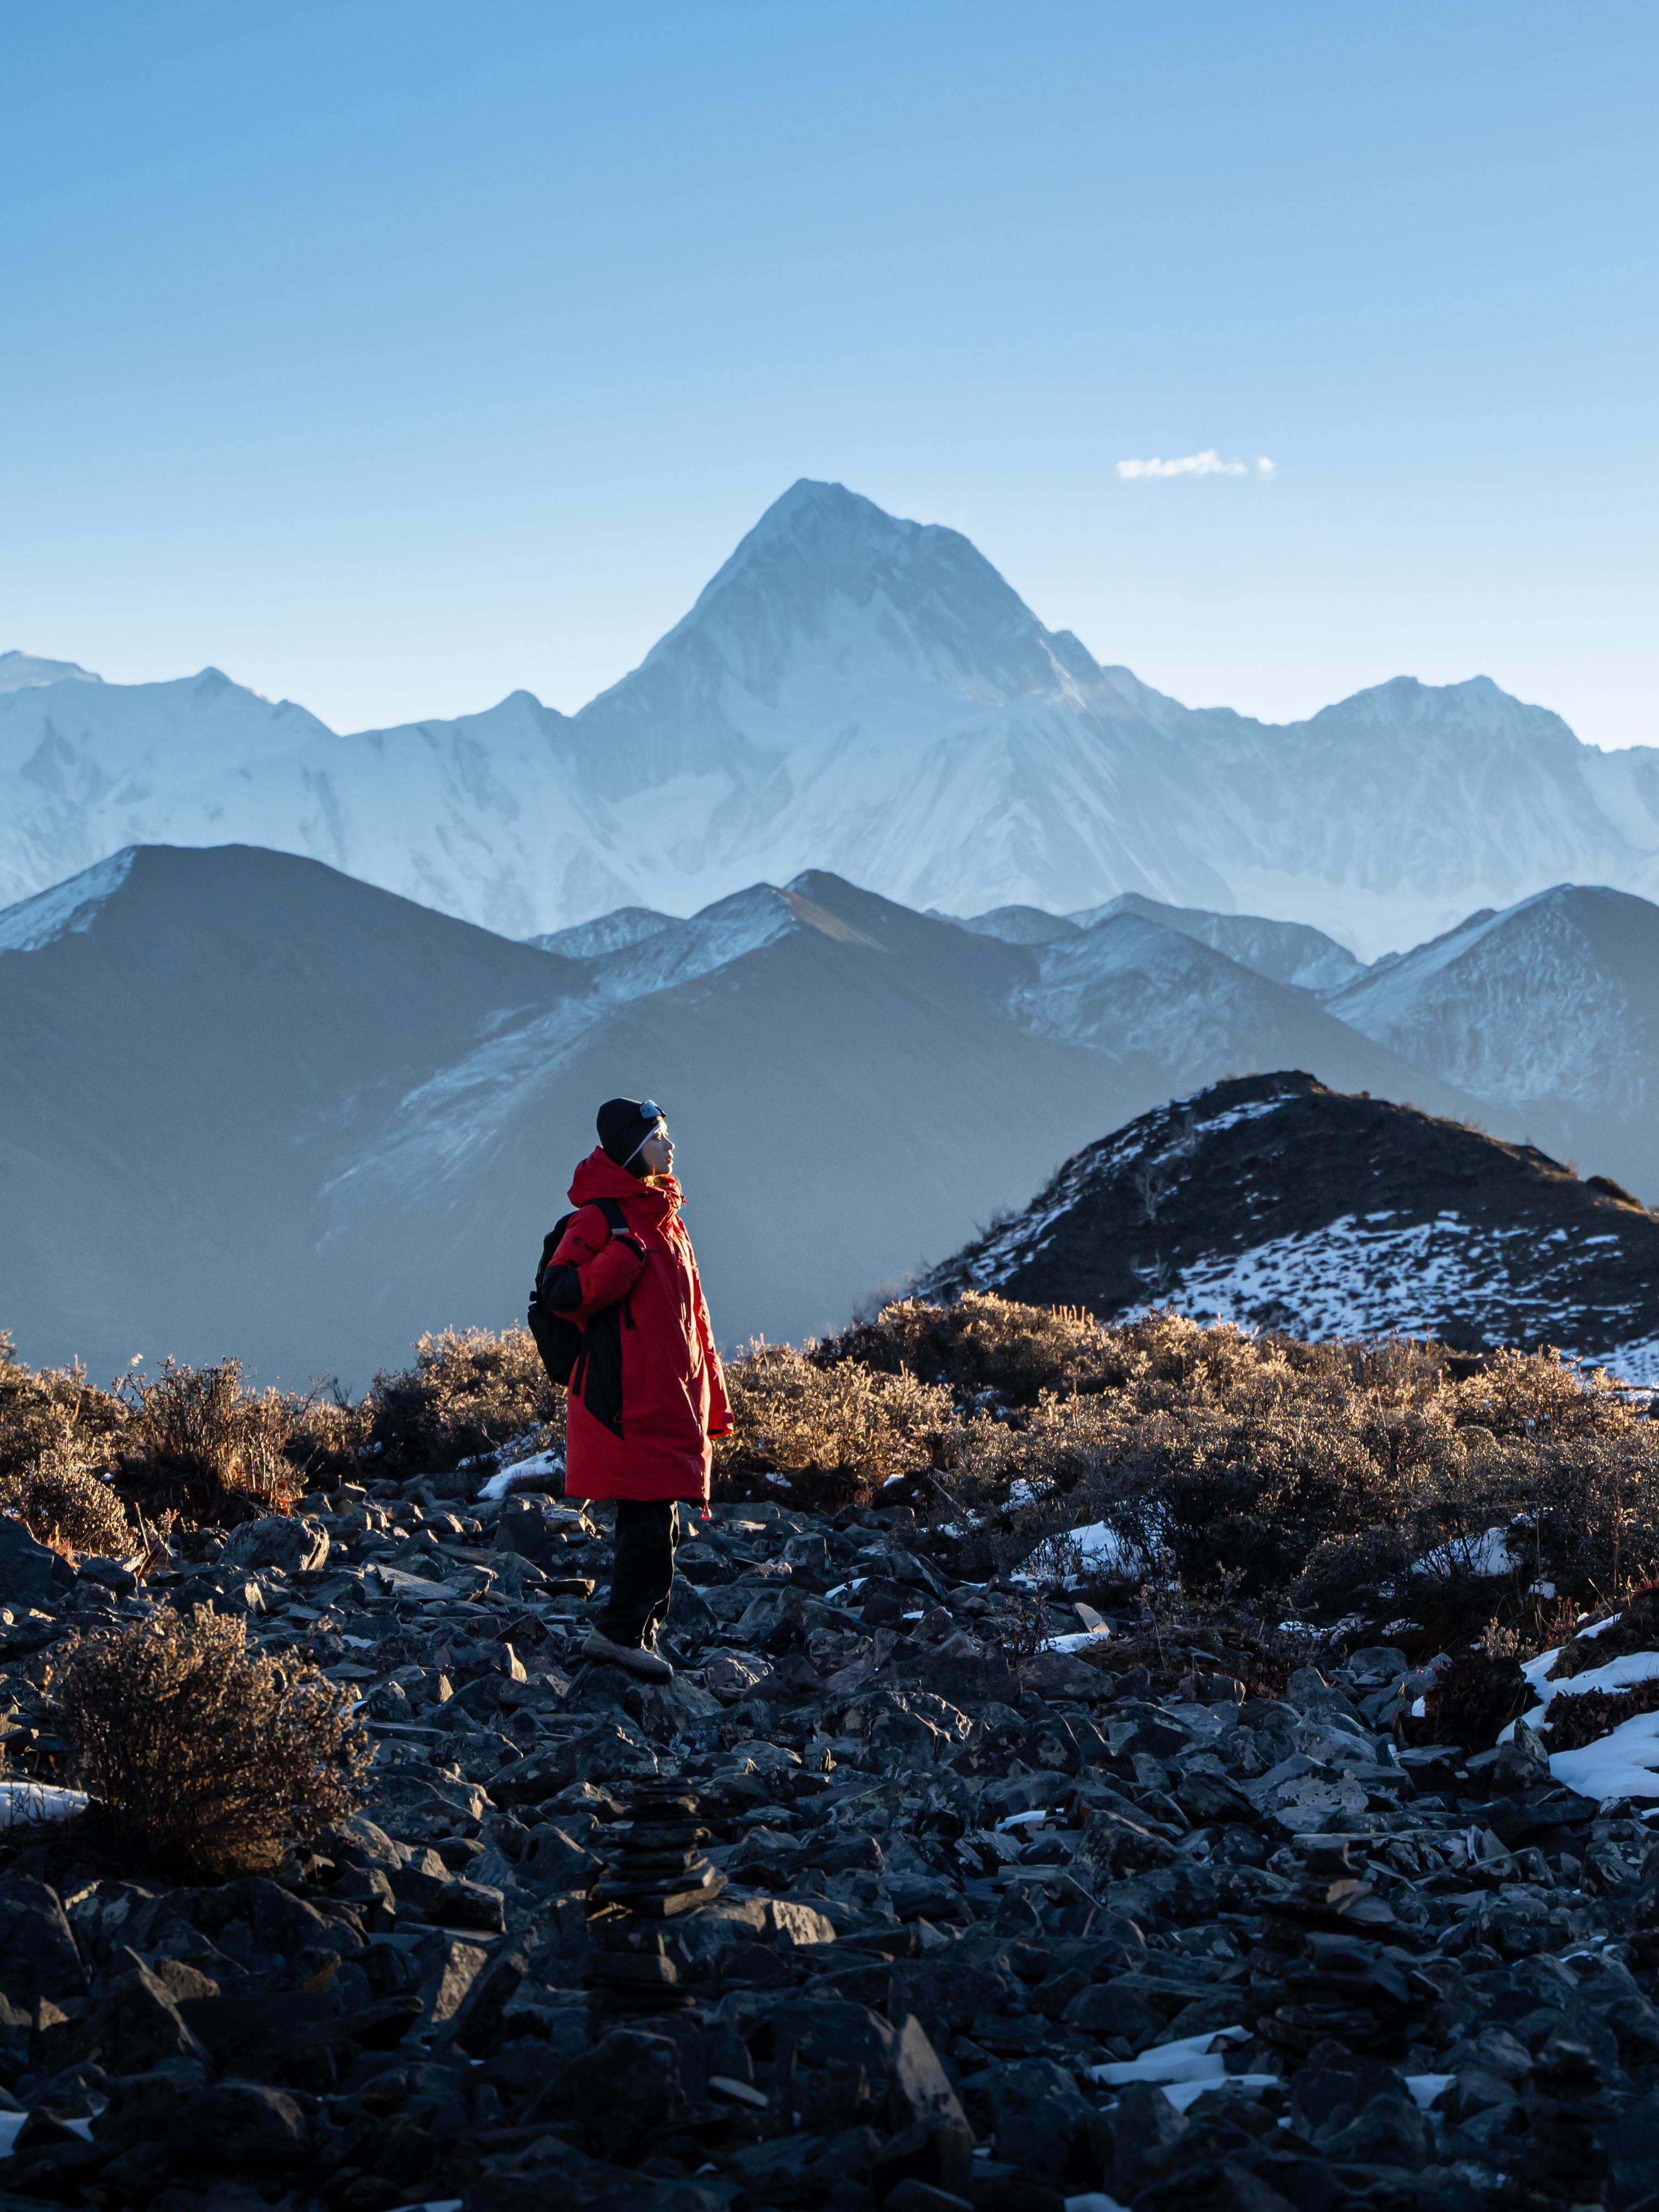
(1551, 1007)
(22, 671)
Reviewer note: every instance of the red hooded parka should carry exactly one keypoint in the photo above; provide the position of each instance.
(646, 1393)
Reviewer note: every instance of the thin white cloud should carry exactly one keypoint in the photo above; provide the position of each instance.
(1207, 464)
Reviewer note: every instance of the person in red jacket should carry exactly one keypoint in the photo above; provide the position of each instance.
(646, 1393)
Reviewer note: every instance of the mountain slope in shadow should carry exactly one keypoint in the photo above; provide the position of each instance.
(252, 1105)
(1277, 1203)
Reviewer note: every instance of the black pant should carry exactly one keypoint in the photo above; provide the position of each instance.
(642, 1574)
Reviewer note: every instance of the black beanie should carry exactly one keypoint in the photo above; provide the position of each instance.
(623, 1126)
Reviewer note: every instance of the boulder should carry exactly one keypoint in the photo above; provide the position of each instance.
(297, 1546)
(137, 2026)
(625, 2087)
(1044, 2124)
(31, 1574)
(238, 2124)
(39, 1957)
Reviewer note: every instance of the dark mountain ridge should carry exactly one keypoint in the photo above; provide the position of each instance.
(1273, 1201)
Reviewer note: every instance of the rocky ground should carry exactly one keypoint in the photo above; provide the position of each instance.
(1010, 1931)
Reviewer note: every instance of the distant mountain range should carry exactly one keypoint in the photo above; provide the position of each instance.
(1551, 1008)
(250, 1104)
(1548, 1012)
(1274, 1202)
(865, 696)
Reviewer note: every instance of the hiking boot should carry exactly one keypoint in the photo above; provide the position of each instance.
(634, 1656)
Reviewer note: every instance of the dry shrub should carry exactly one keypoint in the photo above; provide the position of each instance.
(62, 1502)
(325, 1445)
(840, 1433)
(1524, 1395)
(469, 1391)
(1471, 1700)
(1584, 1715)
(206, 1760)
(1636, 1629)
(1337, 1476)
(198, 1442)
(1181, 1638)
(1020, 1626)
(981, 1344)
(42, 1408)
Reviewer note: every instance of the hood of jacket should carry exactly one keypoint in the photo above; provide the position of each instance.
(598, 1176)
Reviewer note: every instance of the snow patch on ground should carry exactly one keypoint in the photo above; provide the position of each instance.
(1623, 1763)
(38, 1805)
(1616, 1675)
(541, 1471)
(1359, 1276)
(1492, 1551)
(1095, 1548)
(1186, 2069)
(1633, 1363)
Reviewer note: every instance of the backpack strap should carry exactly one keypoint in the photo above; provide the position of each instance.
(612, 1209)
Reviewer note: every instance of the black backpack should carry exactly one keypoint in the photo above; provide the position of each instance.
(555, 1296)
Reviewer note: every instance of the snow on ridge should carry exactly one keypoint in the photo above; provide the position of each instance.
(614, 931)
(744, 922)
(67, 909)
(1356, 1277)
(1251, 1110)
(33, 671)
(453, 1114)
(1163, 1137)
(462, 1107)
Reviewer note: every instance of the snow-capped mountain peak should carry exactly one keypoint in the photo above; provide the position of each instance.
(1551, 1004)
(28, 671)
(824, 564)
(866, 695)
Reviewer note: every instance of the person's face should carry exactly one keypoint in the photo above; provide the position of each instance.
(656, 1153)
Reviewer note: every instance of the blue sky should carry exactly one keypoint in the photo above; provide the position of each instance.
(390, 356)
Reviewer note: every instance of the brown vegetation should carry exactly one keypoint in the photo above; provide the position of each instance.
(840, 1433)
(198, 1442)
(1471, 1700)
(62, 1502)
(469, 1391)
(983, 1344)
(1328, 1476)
(1582, 1715)
(205, 1759)
(1636, 1629)
(44, 1408)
